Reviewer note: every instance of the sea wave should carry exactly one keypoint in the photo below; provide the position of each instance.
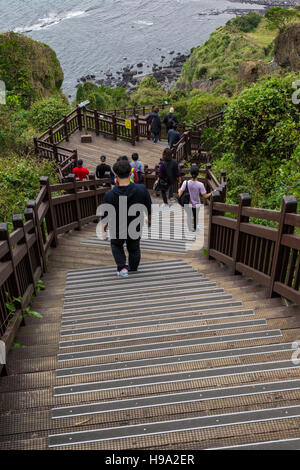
(143, 22)
(51, 20)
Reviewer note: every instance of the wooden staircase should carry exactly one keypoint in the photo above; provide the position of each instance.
(183, 355)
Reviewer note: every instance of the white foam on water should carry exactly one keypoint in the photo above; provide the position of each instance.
(51, 20)
(144, 22)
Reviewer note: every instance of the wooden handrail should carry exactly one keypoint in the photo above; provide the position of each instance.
(24, 252)
(269, 255)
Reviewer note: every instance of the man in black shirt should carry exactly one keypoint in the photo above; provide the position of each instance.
(125, 222)
(103, 168)
(169, 119)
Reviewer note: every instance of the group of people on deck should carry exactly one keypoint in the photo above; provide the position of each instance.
(171, 123)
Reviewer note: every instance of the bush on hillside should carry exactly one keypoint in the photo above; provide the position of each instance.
(20, 182)
(201, 105)
(46, 112)
(16, 133)
(246, 23)
(102, 97)
(149, 92)
(262, 123)
(281, 18)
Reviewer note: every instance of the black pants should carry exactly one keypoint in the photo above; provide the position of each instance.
(170, 192)
(192, 217)
(134, 252)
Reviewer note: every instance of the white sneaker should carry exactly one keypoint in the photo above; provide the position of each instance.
(123, 273)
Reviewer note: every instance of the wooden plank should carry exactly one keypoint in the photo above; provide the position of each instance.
(224, 221)
(221, 257)
(268, 233)
(265, 214)
(287, 292)
(254, 273)
(291, 241)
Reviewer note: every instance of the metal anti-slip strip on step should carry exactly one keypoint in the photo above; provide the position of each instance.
(111, 275)
(142, 299)
(164, 360)
(189, 376)
(205, 299)
(169, 345)
(146, 314)
(130, 326)
(137, 286)
(139, 293)
(146, 264)
(163, 427)
(284, 444)
(175, 398)
(177, 332)
(139, 282)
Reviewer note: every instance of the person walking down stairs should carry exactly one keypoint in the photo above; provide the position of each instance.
(154, 123)
(193, 189)
(168, 174)
(170, 119)
(124, 227)
(104, 168)
(80, 172)
(138, 167)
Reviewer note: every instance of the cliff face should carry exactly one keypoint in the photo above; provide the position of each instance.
(29, 68)
(287, 48)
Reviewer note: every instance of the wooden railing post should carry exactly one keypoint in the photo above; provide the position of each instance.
(50, 216)
(207, 121)
(4, 236)
(71, 179)
(223, 176)
(36, 148)
(114, 124)
(32, 205)
(79, 118)
(66, 128)
(133, 134)
(137, 126)
(97, 122)
(207, 177)
(19, 224)
(245, 201)
(75, 157)
(55, 154)
(280, 259)
(51, 135)
(215, 197)
(29, 215)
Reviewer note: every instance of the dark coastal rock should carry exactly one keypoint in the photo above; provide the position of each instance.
(140, 64)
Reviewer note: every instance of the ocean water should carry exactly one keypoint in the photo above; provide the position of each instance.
(97, 36)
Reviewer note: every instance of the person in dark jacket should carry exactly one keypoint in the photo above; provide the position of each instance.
(122, 224)
(169, 119)
(154, 122)
(173, 135)
(168, 172)
(103, 168)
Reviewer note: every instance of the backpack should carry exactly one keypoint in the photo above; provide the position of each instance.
(185, 198)
(163, 182)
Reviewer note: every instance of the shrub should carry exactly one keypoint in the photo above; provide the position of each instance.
(46, 112)
(281, 18)
(246, 23)
(20, 182)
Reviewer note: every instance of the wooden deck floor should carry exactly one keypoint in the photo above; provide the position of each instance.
(149, 152)
(219, 374)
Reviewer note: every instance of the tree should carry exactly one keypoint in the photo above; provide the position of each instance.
(46, 112)
(281, 18)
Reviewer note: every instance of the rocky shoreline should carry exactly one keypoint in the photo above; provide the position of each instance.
(130, 76)
(168, 70)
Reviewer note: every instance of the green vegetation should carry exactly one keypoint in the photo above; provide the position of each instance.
(281, 18)
(102, 97)
(29, 68)
(246, 23)
(260, 143)
(47, 111)
(20, 182)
